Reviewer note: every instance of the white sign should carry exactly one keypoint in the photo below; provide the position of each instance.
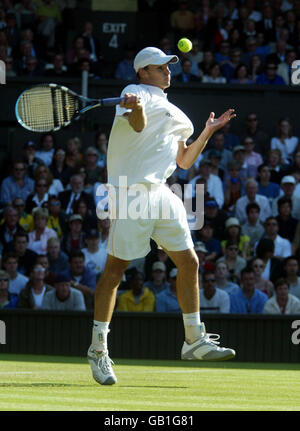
(2, 72)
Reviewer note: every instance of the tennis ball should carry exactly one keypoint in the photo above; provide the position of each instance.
(184, 45)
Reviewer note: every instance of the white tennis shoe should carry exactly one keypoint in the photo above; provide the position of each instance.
(101, 366)
(206, 349)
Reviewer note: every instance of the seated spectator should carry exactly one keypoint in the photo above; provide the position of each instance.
(252, 158)
(282, 302)
(17, 281)
(254, 131)
(217, 143)
(288, 186)
(283, 247)
(291, 271)
(101, 143)
(233, 233)
(33, 294)
(186, 74)
(166, 300)
(222, 56)
(95, 255)
(201, 253)
(255, 67)
(229, 68)
(233, 186)
(215, 157)
(206, 64)
(261, 284)
(138, 298)
(265, 186)
(89, 221)
(285, 141)
(74, 239)
(249, 50)
(235, 263)
(32, 67)
(252, 227)
(63, 297)
(231, 138)
(158, 279)
(58, 260)
(91, 42)
(287, 224)
(215, 76)
(16, 185)
(216, 217)
(57, 218)
(7, 300)
(213, 299)
(39, 198)
(125, 69)
(212, 245)
(83, 172)
(241, 75)
(248, 299)
(270, 76)
(55, 185)
(77, 51)
(182, 21)
(285, 68)
(277, 168)
(69, 197)
(272, 265)
(90, 163)
(57, 68)
(19, 247)
(239, 156)
(49, 17)
(39, 236)
(214, 183)
(251, 188)
(74, 155)
(30, 159)
(82, 278)
(46, 151)
(263, 49)
(25, 220)
(59, 168)
(222, 278)
(9, 227)
(43, 260)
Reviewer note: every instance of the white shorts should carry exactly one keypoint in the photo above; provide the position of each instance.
(154, 212)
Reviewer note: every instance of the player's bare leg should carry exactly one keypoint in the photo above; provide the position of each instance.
(198, 344)
(105, 299)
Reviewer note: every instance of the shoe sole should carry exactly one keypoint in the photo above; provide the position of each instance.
(224, 358)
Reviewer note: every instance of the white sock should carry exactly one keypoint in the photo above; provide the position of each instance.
(192, 326)
(99, 335)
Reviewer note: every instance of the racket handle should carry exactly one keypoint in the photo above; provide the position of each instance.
(112, 101)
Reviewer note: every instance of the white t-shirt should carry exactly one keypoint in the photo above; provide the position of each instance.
(148, 156)
(96, 261)
(219, 303)
(38, 298)
(287, 149)
(16, 285)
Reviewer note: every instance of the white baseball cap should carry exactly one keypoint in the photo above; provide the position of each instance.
(151, 55)
(288, 179)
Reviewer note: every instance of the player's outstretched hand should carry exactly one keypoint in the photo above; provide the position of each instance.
(132, 101)
(217, 123)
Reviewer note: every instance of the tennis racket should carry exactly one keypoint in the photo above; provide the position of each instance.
(50, 107)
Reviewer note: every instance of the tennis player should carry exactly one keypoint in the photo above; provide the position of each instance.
(147, 140)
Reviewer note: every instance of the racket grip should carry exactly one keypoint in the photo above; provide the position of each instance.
(112, 101)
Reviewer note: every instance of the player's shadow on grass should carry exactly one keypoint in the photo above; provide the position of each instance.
(154, 387)
(43, 385)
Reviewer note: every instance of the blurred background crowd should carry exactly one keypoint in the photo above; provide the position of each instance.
(52, 240)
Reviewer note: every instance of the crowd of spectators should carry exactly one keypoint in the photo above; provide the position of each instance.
(237, 42)
(53, 224)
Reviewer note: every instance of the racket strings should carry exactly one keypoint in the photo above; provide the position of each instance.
(46, 108)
